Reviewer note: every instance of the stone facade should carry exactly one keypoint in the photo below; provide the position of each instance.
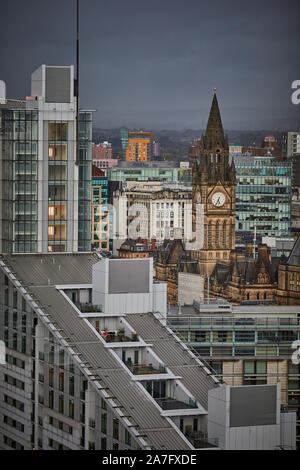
(214, 186)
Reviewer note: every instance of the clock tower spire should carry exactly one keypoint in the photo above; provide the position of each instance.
(214, 186)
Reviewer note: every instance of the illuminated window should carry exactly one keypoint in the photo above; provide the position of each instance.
(51, 211)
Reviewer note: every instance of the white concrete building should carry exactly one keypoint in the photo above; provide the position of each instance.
(167, 207)
(45, 196)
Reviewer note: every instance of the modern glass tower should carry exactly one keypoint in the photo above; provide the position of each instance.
(45, 196)
(263, 195)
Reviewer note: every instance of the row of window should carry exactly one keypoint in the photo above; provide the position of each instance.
(13, 423)
(60, 425)
(247, 336)
(14, 382)
(12, 443)
(13, 402)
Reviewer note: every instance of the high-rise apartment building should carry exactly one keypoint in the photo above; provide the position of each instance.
(45, 197)
(263, 195)
(140, 146)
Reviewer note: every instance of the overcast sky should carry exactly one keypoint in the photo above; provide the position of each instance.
(154, 63)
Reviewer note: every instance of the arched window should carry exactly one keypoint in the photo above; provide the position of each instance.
(224, 235)
(257, 295)
(217, 234)
(209, 235)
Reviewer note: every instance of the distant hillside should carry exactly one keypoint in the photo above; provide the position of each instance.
(175, 143)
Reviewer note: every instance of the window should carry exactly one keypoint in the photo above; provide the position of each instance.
(71, 409)
(244, 336)
(51, 399)
(57, 131)
(255, 372)
(115, 428)
(61, 404)
(216, 366)
(71, 385)
(61, 381)
(127, 438)
(104, 423)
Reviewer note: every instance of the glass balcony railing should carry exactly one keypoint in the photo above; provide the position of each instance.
(143, 369)
(88, 307)
(173, 404)
(200, 441)
(117, 337)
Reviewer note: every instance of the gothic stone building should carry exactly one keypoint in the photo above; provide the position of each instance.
(213, 180)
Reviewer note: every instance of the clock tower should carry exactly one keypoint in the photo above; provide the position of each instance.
(214, 186)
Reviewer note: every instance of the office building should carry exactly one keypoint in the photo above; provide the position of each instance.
(102, 156)
(245, 345)
(291, 144)
(263, 195)
(166, 206)
(101, 217)
(151, 171)
(87, 366)
(45, 203)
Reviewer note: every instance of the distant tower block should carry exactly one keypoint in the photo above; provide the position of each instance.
(2, 92)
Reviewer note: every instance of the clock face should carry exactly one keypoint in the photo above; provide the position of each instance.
(218, 199)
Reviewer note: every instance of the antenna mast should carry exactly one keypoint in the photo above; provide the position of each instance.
(77, 82)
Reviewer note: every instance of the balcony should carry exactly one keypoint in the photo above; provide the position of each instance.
(199, 440)
(144, 369)
(88, 307)
(118, 336)
(173, 404)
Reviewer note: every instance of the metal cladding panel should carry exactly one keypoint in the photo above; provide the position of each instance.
(253, 405)
(128, 276)
(58, 85)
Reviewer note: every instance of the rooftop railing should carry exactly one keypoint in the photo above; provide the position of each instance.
(88, 307)
(144, 369)
(173, 404)
(200, 440)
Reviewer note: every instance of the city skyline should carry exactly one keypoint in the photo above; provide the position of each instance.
(160, 72)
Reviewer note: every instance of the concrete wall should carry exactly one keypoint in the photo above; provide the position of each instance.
(190, 288)
(248, 437)
(153, 299)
